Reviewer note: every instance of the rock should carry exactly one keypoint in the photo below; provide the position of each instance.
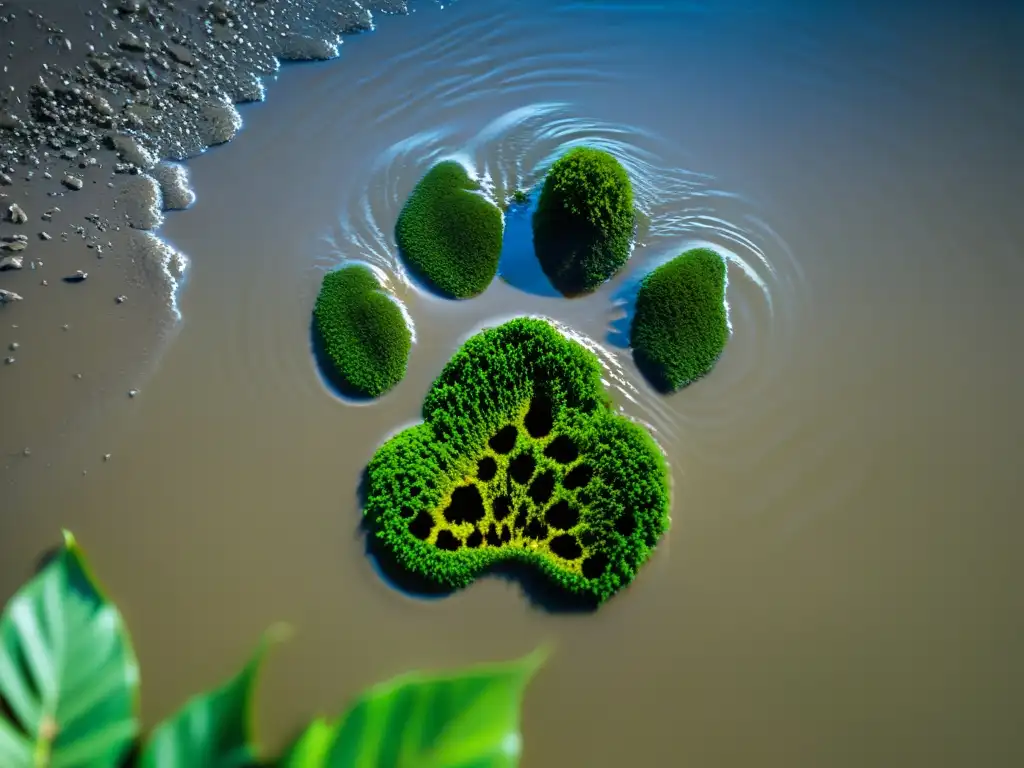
(5, 180)
(16, 214)
(132, 392)
(14, 346)
(6, 296)
(8, 360)
(11, 262)
(78, 277)
(14, 247)
(121, 299)
(44, 236)
(72, 182)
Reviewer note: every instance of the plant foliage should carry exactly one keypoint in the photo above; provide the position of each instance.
(520, 457)
(362, 331)
(67, 672)
(449, 233)
(69, 681)
(583, 225)
(680, 326)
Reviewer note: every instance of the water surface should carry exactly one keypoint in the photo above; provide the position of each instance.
(840, 585)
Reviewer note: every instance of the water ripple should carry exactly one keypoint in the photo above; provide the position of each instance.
(680, 208)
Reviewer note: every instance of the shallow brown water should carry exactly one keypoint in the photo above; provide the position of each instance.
(841, 585)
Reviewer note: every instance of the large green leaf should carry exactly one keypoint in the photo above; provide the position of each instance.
(462, 719)
(67, 671)
(310, 751)
(215, 729)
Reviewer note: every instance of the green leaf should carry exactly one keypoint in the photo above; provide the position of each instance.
(67, 671)
(310, 750)
(215, 729)
(463, 719)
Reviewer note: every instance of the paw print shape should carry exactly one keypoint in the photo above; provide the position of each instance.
(520, 457)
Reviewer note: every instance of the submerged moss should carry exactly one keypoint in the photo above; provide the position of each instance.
(680, 327)
(362, 331)
(583, 226)
(520, 457)
(449, 234)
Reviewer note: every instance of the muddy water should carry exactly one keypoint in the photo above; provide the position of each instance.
(841, 583)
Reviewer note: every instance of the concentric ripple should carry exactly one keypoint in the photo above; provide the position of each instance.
(679, 209)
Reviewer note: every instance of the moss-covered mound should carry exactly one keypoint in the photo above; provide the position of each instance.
(520, 457)
(361, 332)
(680, 326)
(449, 234)
(583, 225)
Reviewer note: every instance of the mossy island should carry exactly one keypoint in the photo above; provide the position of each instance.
(520, 458)
(583, 225)
(680, 325)
(449, 234)
(361, 335)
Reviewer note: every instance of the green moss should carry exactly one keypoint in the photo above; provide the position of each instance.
(583, 226)
(680, 326)
(361, 332)
(449, 234)
(520, 196)
(520, 457)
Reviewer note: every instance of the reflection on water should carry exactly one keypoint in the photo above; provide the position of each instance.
(841, 589)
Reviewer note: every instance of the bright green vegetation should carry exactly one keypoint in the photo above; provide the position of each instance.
(520, 457)
(583, 226)
(449, 233)
(362, 331)
(680, 326)
(69, 697)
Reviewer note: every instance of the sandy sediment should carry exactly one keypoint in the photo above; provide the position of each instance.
(99, 101)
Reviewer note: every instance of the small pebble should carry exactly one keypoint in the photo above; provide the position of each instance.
(72, 182)
(106, 457)
(78, 376)
(8, 360)
(44, 236)
(132, 392)
(27, 452)
(14, 346)
(121, 299)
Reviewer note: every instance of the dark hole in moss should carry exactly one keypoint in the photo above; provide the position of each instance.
(521, 468)
(520, 522)
(566, 546)
(562, 515)
(505, 440)
(588, 538)
(536, 529)
(578, 477)
(542, 487)
(594, 566)
(626, 523)
(406, 511)
(446, 540)
(475, 539)
(562, 449)
(422, 525)
(539, 419)
(506, 534)
(430, 485)
(415, 491)
(486, 468)
(442, 466)
(502, 507)
(466, 506)
(492, 536)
